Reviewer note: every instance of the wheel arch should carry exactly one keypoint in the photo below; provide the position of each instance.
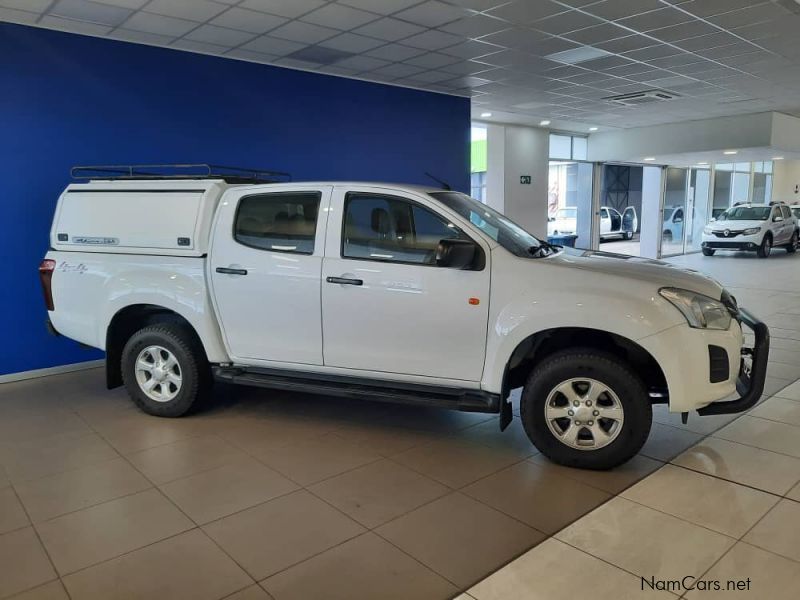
(130, 319)
(542, 344)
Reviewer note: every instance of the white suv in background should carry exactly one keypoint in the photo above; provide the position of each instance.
(752, 227)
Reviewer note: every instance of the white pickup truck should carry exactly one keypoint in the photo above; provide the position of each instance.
(392, 293)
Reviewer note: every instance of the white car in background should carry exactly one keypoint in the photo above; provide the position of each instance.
(612, 223)
(752, 227)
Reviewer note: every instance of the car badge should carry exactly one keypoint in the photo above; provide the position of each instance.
(726, 233)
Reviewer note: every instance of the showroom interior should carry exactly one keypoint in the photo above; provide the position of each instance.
(615, 133)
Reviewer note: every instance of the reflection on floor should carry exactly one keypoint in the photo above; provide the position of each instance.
(267, 494)
(628, 247)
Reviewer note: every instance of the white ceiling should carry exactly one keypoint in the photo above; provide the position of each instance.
(723, 57)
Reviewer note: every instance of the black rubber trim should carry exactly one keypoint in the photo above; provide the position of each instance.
(718, 364)
(367, 389)
(51, 329)
(748, 386)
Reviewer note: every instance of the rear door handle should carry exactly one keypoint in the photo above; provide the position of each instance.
(231, 271)
(344, 281)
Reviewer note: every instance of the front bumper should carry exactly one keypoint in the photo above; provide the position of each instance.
(738, 242)
(752, 376)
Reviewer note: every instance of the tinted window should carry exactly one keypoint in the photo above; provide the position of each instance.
(392, 229)
(787, 214)
(745, 213)
(281, 222)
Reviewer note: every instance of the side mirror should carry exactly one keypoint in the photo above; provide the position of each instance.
(455, 254)
(678, 220)
(777, 219)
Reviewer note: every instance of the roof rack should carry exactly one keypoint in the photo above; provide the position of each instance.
(178, 171)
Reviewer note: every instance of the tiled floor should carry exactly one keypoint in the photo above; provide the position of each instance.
(265, 494)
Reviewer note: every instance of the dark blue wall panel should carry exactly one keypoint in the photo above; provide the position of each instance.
(67, 99)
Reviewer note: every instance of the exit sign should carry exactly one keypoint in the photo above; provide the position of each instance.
(525, 179)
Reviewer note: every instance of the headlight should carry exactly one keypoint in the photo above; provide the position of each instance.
(701, 312)
(708, 230)
(751, 231)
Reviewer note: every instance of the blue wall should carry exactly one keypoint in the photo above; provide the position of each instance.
(67, 99)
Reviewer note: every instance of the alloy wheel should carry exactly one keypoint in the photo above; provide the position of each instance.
(584, 414)
(158, 373)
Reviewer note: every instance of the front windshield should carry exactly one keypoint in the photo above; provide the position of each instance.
(796, 211)
(567, 213)
(745, 213)
(509, 235)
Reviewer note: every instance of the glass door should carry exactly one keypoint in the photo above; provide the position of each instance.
(697, 212)
(569, 203)
(673, 232)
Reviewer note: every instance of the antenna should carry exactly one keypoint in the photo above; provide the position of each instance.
(444, 184)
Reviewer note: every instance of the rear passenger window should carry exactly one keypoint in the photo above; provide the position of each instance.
(787, 214)
(280, 222)
(392, 229)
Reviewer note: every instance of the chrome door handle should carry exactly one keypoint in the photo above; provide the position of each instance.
(344, 281)
(231, 271)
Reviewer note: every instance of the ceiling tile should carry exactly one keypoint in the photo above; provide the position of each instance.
(270, 45)
(395, 70)
(655, 19)
(432, 40)
(430, 77)
(432, 14)
(194, 10)
(38, 6)
(713, 40)
(383, 7)
(305, 33)
(91, 12)
(597, 33)
(620, 9)
(362, 63)
(565, 22)
(626, 44)
(127, 35)
(432, 60)
(159, 24)
(762, 12)
(222, 36)
(339, 16)
(471, 49)
(389, 29)
(133, 4)
(74, 26)
(524, 12)
(515, 37)
(683, 31)
(294, 63)
(706, 8)
(250, 55)
(351, 42)
(466, 68)
(475, 26)
(284, 8)
(18, 16)
(248, 20)
(395, 52)
(194, 46)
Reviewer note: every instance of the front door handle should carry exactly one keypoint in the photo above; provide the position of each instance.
(231, 271)
(344, 281)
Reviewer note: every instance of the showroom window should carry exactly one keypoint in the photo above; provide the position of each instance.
(285, 222)
(568, 147)
(478, 163)
(391, 229)
(741, 182)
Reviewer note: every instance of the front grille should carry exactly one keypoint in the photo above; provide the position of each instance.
(719, 369)
(730, 233)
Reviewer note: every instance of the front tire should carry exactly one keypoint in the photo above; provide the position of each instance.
(791, 248)
(765, 248)
(164, 370)
(585, 408)
(708, 251)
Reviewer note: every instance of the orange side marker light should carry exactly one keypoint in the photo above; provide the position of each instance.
(474, 301)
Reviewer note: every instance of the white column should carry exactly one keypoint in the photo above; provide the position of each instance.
(495, 166)
(650, 230)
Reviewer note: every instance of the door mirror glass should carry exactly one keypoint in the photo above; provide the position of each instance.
(455, 254)
(777, 218)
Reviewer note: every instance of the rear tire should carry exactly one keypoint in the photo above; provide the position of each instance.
(791, 248)
(165, 370)
(765, 248)
(708, 251)
(600, 384)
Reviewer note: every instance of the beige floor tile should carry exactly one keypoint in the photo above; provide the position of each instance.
(141, 431)
(254, 592)
(513, 439)
(72, 490)
(187, 566)
(613, 481)
(778, 531)
(95, 534)
(49, 591)
(35, 458)
(277, 534)
(367, 568)
(533, 495)
(461, 539)
(794, 493)
(667, 442)
(23, 562)
(386, 441)
(792, 392)
(761, 469)
(770, 576)
(646, 542)
(313, 460)
(378, 492)
(45, 424)
(695, 424)
(781, 370)
(456, 463)
(779, 409)
(12, 515)
(227, 489)
(257, 435)
(185, 457)
(726, 507)
(4, 480)
(762, 433)
(531, 576)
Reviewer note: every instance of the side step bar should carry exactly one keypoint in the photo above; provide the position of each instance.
(352, 387)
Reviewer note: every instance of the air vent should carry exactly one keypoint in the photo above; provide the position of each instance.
(645, 97)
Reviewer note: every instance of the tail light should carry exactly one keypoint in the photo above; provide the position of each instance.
(46, 269)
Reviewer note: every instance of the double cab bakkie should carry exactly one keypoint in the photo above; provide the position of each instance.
(386, 292)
